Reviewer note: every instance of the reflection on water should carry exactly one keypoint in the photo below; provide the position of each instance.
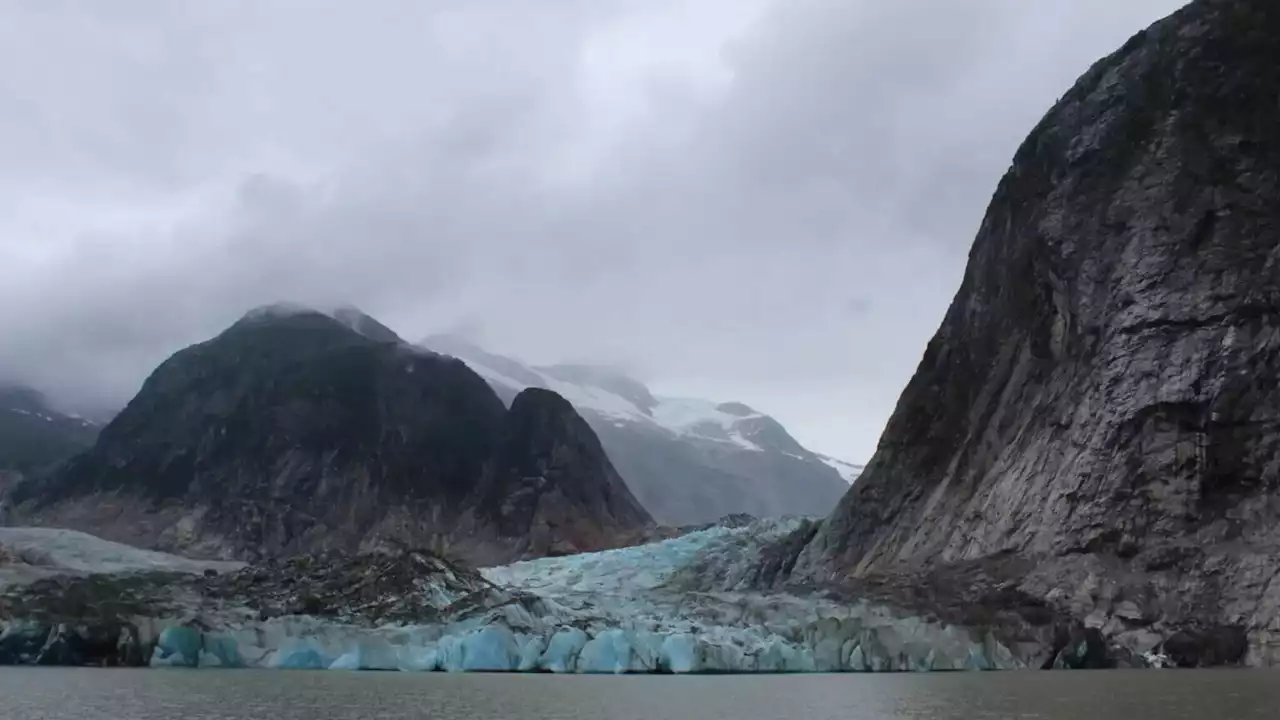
(67, 694)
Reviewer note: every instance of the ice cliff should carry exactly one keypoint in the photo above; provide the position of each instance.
(683, 605)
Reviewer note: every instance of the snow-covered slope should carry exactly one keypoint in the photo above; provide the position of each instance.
(849, 471)
(611, 396)
(27, 552)
(688, 460)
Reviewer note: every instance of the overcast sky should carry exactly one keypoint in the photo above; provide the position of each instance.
(762, 200)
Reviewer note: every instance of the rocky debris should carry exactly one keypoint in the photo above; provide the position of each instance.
(295, 432)
(117, 619)
(96, 620)
(94, 599)
(732, 520)
(407, 586)
(1094, 422)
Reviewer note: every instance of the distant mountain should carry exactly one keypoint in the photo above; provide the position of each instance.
(34, 435)
(688, 461)
(296, 430)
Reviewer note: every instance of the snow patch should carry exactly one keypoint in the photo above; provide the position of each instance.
(848, 471)
(685, 417)
(56, 549)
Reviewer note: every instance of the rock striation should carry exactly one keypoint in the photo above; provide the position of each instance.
(1093, 431)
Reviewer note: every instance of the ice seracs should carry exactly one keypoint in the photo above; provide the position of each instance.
(685, 605)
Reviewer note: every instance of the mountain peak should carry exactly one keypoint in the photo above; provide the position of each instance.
(291, 432)
(549, 471)
(736, 409)
(347, 316)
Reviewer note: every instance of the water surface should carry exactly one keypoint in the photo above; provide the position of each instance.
(72, 694)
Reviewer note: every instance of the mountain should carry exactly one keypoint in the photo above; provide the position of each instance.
(296, 430)
(688, 461)
(1093, 431)
(550, 481)
(34, 435)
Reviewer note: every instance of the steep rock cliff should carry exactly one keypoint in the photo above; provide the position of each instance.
(550, 481)
(1096, 424)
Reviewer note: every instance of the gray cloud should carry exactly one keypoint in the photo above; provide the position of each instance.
(760, 200)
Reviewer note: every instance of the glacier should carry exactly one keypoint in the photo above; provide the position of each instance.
(683, 605)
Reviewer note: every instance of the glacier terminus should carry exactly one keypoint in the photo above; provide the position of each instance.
(683, 605)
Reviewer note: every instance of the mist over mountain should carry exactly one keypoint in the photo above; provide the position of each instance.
(687, 460)
(296, 430)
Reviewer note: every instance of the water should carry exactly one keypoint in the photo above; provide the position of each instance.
(65, 694)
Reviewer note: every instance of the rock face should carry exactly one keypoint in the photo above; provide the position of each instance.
(295, 431)
(1097, 420)
(688, 461)
(550, 481)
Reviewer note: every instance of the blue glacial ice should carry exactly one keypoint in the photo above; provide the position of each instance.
(178, 646)
(679, 606)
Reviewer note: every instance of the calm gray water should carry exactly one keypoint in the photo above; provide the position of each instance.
(64, 694)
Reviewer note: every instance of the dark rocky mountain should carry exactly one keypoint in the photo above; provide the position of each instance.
(1094, 431)
(550, 481)
(688, 461)
(295, 431)
(34, 435)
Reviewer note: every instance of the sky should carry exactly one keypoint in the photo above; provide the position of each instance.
(768, 201)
